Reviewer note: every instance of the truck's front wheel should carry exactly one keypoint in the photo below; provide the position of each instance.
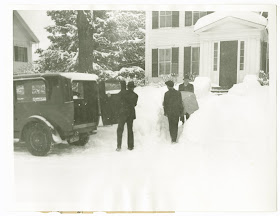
(38, 139)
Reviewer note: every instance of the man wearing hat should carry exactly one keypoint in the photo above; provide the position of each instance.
(128, 101)
(173, 109)
(186, 86)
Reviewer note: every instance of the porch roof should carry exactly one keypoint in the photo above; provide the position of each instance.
(215, 18)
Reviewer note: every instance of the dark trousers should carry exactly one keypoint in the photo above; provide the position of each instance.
(130, 136)
(173, 127)
(182, 119)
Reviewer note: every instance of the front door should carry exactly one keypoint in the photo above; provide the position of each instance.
(228, 63)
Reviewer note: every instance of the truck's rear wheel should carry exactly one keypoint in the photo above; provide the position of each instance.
(38, 139)
(83, 140)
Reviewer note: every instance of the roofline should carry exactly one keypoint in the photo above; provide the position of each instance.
(210, 25)
(23, 23)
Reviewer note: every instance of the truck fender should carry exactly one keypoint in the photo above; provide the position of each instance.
(36, 118)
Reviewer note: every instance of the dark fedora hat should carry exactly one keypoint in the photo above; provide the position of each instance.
(169, 83)
(130, 84)
(186, 77)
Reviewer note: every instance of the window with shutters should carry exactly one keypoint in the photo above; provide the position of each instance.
(215, 60)
(165, 19)
(191, 17)
(20, 54)
(164, 61)
(241, 61)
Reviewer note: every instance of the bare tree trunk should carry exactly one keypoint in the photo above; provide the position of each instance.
(85, 34)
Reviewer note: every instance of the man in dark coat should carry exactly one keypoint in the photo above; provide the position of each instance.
(186, 86)
(128, 101)
(173, 109)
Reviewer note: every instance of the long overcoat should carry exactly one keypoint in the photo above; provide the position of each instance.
(172, 103)
(128, 101)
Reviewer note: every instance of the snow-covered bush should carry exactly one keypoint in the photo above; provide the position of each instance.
(263, 78)
(107, 75)
(202, 86)
(134, 73)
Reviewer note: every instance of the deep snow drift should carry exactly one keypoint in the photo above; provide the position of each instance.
(224, 160)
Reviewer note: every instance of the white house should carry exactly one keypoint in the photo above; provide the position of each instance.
(23, 38)
(224, 46)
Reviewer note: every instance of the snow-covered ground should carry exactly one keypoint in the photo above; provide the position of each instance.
(225, 160)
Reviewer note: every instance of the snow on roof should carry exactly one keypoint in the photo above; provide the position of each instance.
(80, 76)
(219, 15)
(26, 27)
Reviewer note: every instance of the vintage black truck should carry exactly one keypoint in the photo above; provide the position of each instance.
(52, 107)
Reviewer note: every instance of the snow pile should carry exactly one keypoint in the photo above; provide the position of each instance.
(250, 85)
(150, 122)
(232, 116)
(202, 86)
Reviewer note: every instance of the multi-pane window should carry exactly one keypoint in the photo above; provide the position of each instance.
(165, 18)
(195, 61)
(20, 54)
(241, 62)
(164, 60)
(215, 60)
(191, 17)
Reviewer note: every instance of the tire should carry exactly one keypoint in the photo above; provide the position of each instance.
(83, 140)
(38, 139)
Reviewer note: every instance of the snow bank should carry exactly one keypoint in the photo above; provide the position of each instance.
(232, 116)
(250, 85)
(202, 86)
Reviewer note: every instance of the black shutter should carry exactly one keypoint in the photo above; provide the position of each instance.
(16, 53)
(175, 18)
(154, 62)
(155, 20)
(188, 18)
(187, 60)
(175, 60)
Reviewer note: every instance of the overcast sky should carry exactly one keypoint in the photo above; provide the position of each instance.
(37, 20)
